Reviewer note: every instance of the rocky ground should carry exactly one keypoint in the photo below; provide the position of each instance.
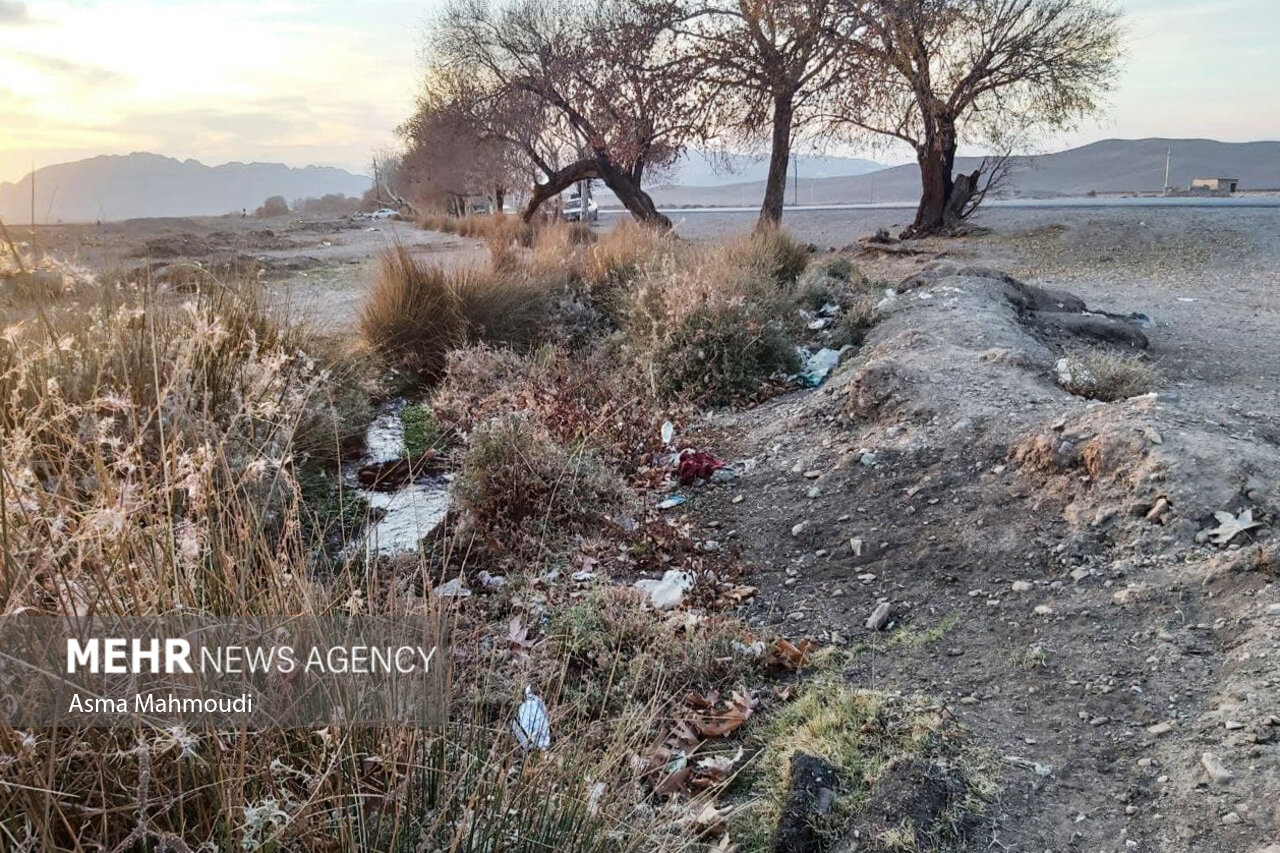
(1043, 557)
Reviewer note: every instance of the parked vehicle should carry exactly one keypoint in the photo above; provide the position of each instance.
(573, 209)
(385, 213)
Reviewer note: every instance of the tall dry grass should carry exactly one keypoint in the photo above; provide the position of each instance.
(150, 459)
(416, 312)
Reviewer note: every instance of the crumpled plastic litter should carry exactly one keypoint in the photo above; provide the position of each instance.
(696, 465)
(818, 365)
(668, 593)
(532, 726)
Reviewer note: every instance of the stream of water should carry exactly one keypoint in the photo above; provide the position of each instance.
(409, 513)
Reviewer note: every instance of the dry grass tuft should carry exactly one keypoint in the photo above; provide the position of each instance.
(771, 251)
(416, 312)
(411, 314)
(710, 326)
(1107, 375)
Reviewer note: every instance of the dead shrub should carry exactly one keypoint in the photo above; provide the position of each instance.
(710, 328)
(519, 489)
(773, 252)
(858, 316)
(1108, 376)
(587, 401)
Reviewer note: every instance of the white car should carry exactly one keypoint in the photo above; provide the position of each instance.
(573, 210)
(385, 213)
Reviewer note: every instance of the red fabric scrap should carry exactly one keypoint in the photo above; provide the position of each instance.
(695, 465)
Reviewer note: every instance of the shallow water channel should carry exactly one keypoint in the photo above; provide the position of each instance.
(407, 514)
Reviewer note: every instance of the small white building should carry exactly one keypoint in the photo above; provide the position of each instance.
(1215, 184)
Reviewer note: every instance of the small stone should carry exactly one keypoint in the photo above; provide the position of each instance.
(1215, 768)
(867, 577)
(1234, 725)
(814, 492)
(1231, 818)
(868, 459)
(1131, 810)
(821, 552)
(812, 475)
(879, 617)
(738, 499)
(1273, 610)
(857, 545)
(1159, 729)
(1043, 610)
(1021, 586)
(1099, 721)
(798, 530)
(1079, 574)
(969, 700)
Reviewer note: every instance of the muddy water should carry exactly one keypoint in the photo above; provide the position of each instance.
(408, 514)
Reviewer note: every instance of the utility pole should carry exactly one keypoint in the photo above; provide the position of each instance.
(795, 181)
(1168, 159)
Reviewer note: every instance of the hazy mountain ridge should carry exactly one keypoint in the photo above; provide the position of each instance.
(1108, 166)
(113, 187)
(706, 169)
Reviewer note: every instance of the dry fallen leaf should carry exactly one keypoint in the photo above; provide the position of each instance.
(791, 655)
(710, 820)
(1230, 526)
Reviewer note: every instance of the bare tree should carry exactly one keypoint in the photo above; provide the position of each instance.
(460, 143)
(940, 69)
(602, 68)
(769, 64)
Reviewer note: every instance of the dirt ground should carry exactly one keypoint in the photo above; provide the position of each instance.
(1102, 653)
(1092, 641)
(315, 269)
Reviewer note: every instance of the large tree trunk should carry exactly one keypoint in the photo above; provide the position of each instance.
(559, 181)
(937, 158)
(775, 186)
(629, 192)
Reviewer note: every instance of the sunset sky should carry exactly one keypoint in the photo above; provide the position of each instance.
(326, 82)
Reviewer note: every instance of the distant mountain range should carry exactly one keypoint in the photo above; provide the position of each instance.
(706, 169)
(144, 185)
(1110, 166)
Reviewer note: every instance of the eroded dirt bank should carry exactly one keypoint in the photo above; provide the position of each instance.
(1045, 558)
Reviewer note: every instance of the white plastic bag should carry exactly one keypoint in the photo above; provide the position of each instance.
(532, 726)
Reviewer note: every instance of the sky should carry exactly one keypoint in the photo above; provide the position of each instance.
(327, 82)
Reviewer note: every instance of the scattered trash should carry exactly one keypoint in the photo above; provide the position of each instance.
(673, 501)
(452, 589)
(751, 650)
(667, 593)
(1230, 526)
(819, 324)
(668, 433)
(856, 545)
(532, 727)
(816, 366)
(1036, 767)
(583, 576)
(1186, 299)
(829, 310)
(489, 581)
(696, 465)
